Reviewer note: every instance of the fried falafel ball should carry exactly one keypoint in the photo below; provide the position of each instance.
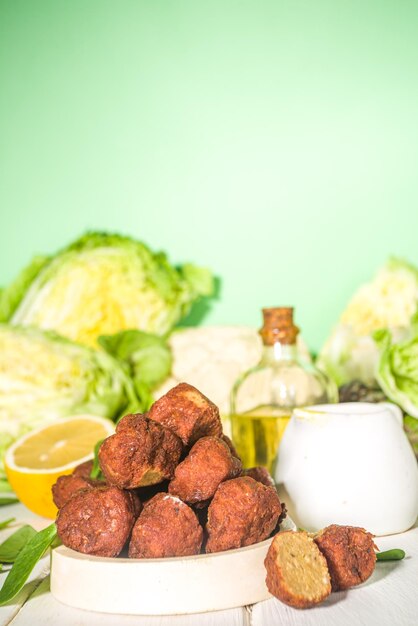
(242, 512)
(261, 475)
(350, 554)
(66, 486)
(132, 420)
(231, 446)
(84, 469)
(208, 463)
(167, 527)
(97, 521)
(139, 456)
(188, 413)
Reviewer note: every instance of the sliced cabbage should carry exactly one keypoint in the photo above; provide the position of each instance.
(44, 377)
(388, 301)
(100, 285)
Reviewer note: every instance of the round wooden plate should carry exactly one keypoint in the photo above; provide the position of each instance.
(193, 584)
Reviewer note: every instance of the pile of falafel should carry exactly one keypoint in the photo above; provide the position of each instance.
(173, 486)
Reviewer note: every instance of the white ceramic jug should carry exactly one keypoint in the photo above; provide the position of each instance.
(350, 464)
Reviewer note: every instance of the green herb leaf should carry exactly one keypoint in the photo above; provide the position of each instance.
(8, 500)
(7, 522)
(391, 555)
(10, 548)
(27, 559)
(4, 485)
(95, 470)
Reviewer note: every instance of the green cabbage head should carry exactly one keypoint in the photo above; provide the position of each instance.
(44, 377)
(103, 284)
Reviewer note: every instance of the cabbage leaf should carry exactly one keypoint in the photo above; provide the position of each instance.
(147, 357)
(397, 371)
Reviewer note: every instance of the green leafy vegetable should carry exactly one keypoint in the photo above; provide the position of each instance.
(7, 500)
(95, 470)
(388, 301)
(411, 428)
(13, 294)
(4, 485)
(11, 547)
(5, 523)
(44, 377)
(148, 358)
(26, 560)
(397, 369)
(396, 554)
(103, 284)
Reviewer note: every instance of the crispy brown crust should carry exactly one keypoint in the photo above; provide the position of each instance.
(242, 512)
(167, 527)
(84, 469)
(260, 474)
(66, 486)
(231, 446)
(136, 503)
(140, 456)
(188, 413)
(208, 463)
(97, 521)
(350, 554)
(276, 581)
(132, 420)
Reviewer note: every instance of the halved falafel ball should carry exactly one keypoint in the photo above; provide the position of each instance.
(140, 456)
(242, 512)
(97, 521)
(188, 413)
(167, 527)
(350, 554)
(297, 572)
(208, 463)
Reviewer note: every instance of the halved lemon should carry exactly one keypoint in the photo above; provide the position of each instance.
(34, 462)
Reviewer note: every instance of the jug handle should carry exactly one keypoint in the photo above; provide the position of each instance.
(395, 410)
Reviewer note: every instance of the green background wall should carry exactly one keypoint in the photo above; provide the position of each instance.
(275, 142)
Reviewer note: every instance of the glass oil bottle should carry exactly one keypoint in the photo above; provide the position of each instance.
(263, 398)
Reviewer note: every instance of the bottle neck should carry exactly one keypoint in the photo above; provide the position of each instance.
(280, 352)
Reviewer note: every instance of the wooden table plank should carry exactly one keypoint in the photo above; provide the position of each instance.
(22, 516)
(389, 597)
(8, 612)
(43, 610)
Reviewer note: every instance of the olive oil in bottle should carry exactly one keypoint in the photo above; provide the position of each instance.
(262, 399)
(257, 434)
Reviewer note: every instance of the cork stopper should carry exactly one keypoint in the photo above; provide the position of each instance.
(278, 326)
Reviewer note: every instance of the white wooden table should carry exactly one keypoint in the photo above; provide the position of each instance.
(388, 598)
